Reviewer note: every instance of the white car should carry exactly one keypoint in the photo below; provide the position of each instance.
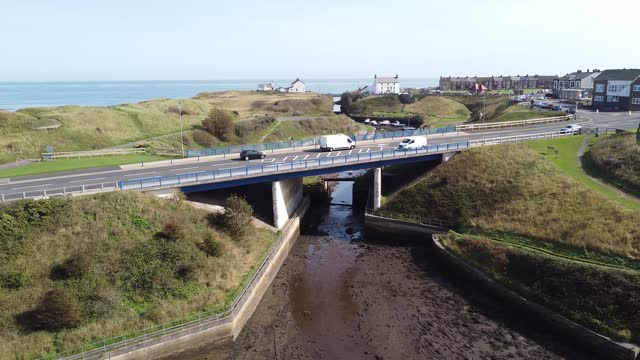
(385, 122)
(373, 122)
(397, 124)
(366, 121)
(571, 129)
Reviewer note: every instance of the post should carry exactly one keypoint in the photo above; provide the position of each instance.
(181, 136)
(377, 188)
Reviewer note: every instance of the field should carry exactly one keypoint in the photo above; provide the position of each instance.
(435, 110)
(513, 189)
(519, 112)
(616, 159)
(74, 271)
(22, 133)
(52, 166)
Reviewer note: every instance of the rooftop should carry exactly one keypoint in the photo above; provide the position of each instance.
(619, 74)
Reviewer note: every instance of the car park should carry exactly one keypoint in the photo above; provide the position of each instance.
(252, 154)
(571, 129)
(385, 122)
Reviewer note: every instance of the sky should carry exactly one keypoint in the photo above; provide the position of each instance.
(79, 40)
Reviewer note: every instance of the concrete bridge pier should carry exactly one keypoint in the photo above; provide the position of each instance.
(377, 188)
(447, 156)
(287, 196)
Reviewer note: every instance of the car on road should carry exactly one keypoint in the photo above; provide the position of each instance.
(252, 154)
(570, 111)
(408, 128)
(336, 142)
(571, 129)
(413, 142)
(397, 124)
(385, 122)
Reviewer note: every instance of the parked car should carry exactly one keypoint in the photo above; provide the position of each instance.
(336, 142)
(385, 122)
(252, 154)
(571, 129)
(556, 108)
(548, 106)
(570, 111)
(366, 121)
(397, 124)
(413, 142)
(408, 128)
(373, 122)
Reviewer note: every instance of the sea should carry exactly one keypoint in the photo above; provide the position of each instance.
(19, 95)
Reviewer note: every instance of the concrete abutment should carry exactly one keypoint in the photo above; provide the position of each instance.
(287, 196)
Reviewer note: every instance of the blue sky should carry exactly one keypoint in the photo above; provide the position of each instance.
(71, 40)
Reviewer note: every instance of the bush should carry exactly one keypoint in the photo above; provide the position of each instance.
(251, 127)
(14, 280)
(57, 310)
(237, 216)
(212, 246)
(172, 231)
(184, 111)
(220, 124)
(203, 138)
(406, 99)
(72, 268)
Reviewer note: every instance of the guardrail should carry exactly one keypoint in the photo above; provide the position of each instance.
(191, 324)
(495, 125)
(244, 171)
(91, 153)
(410, 218)
(292, 144)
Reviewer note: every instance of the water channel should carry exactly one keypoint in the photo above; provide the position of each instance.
(342, 296)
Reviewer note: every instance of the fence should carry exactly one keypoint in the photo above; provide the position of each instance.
(91, 153)
(191, 324)
(292, 144)
(63, 191)
(410, 218)
(495, 125)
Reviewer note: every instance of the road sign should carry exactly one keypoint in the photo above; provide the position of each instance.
(49, 148)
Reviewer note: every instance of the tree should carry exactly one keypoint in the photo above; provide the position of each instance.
(219, 123)
(638, 135)
(57, 310)
(237, 216)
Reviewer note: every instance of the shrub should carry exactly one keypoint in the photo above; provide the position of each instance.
(219, 123)
(237, 216)
(251, 127)
(184, 111)
(203, 138)
(212, 246)
(57, 310)
(14, 280)
(71, 268)
(171, 231)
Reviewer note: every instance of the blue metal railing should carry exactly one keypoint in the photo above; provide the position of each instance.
(312, 142)
(212, 175)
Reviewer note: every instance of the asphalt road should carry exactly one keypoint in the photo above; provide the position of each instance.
(114, 174)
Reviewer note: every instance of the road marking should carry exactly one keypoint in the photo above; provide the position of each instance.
(318, 156)
(381, 148)
(339, 152)
(28, 187)
(285, 158)
(92, 179)
(350, 152)
(295, 158)
(305, 157)
(360, 150)
(138, 174)
(368, 149)
(183, 169)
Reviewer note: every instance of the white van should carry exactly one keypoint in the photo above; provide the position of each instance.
(336, 142)
(413, 142)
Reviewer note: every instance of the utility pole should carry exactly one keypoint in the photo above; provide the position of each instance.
(181, 134)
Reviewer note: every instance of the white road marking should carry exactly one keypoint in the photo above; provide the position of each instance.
(350, 151)
(339, 152)
(28, 187)
(285, 158)
(305, 157)
(295, 158)
(138, 174)
(368, 149)
(318, 156)
(381, 148)
(360, 150)
(183, 169)
(92, 179)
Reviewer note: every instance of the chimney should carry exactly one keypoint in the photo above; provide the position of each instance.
(375, 76)
(396, 76)
(588, 70)
(579, 71)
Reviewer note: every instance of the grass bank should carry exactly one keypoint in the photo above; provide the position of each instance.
(74, 271)
(616, 159)
(435, 110)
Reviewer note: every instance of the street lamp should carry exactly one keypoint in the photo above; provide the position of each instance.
(181, 135)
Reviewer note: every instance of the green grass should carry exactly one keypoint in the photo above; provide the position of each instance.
(616, 160)
(301, 129)
(518, 112)
(58, 165)
(118, 234)
(567, 161)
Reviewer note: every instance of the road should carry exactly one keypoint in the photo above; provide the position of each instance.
(76, 179)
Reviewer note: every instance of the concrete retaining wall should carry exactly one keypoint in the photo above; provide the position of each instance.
(213, 330)
(574, 332)
(375, 225)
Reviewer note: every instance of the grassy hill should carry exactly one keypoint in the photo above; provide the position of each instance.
(24, 133)
(434, 109)
(617, 160)
(524, 222)
(498, 108)
(78, 270)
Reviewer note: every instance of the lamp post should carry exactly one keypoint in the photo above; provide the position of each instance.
(181, 135)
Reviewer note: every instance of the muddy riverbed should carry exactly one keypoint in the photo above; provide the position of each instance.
(340, 296)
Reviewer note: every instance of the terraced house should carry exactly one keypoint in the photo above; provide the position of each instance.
(576, 85)
(617, 89)
(515, 83)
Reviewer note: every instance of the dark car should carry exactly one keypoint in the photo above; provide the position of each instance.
(556, 108)
(549, 106)
(570, 111)
(251, 154)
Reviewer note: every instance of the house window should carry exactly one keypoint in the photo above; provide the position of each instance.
(635, 101)
(599, 88)
(636, 87)
(598, 98)
(612, 99)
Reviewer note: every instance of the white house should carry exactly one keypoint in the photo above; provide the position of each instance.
(385, 85)
(265, 87)
(297, 86)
